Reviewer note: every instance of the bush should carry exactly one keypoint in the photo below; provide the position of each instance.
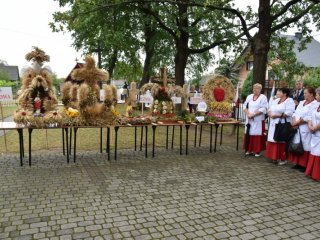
(247, 86)
(313, 79)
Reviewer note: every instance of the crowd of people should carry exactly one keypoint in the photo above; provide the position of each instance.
(302, 110)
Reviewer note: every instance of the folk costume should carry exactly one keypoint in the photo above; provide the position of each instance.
(277, 150)
(256, 142)
(303, 111)
(313, 166)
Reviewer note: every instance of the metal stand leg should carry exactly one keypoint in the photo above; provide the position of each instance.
(141, 138)
(20, 133)
(70, 142)
(187, 138)
(210, 138)
(75, 144)
(154, 138)
(63, 144)
(30, 137)
(221, 134)
(195, 135)
(167, 139)
(116, 128)
(238, 125)
(67, 144)
(146, 149)
(135, 138)
(22, 143)
(172, 137)
(180, 139)
(200, 136)
(101, 133)
(215, 137)
(108, 142)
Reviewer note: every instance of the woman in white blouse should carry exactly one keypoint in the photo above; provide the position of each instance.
(313, 167)
(255, 108)
(300, 120)
(281, 108)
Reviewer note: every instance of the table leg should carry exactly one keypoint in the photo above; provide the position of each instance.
(146, 149)
(67, 144)
(195, 135)
(116, 128)
(22, 143)
(30, 145)
(20, 133)
(63, 144)
(141, 138)
(221, 134)
(108, 142)
(172, 140)
(200, 136)
(75, 144)
(238, 125)
(180, 139)
(135, 138)
(154, 138)
(210, 138)
(70, 142)
(187, 137)
(167, 139)
(101, 133)
(215, 137)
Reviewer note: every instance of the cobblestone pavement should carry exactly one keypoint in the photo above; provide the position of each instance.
(221, 195)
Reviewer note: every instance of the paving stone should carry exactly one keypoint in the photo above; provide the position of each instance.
(220, 195)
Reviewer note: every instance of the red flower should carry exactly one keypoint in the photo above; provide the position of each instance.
(23, 113)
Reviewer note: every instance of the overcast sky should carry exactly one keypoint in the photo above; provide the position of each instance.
(24, 23)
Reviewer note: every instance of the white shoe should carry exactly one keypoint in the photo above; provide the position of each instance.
(282, 162)
(247, 153)
(257, 155)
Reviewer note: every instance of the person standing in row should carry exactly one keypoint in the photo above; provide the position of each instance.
(281, 108)
(255, 108)
(300, 121)
(313, 167)
(298, 94)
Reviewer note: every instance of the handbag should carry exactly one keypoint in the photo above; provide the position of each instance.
(296, 148)
(283, 131)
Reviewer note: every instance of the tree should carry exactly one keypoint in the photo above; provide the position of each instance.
(4, 76)
(313, 78)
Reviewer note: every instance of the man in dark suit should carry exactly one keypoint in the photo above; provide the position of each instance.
(298, 94)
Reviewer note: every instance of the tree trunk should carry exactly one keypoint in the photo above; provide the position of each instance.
(261, 43)
(182, 41)
(149, 34)
(112, 63)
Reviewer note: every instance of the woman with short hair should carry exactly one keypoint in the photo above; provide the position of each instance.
(255, 108)
(313, 166)
(281, 108)
(300, 121)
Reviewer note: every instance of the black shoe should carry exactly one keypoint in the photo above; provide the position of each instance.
(302, 169)
(296, 167)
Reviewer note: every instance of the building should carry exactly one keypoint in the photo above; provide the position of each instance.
(12, 71)
(310, 57)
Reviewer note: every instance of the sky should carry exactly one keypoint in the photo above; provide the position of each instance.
(24, 24)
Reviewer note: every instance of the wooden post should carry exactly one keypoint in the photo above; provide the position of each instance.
(133, 94)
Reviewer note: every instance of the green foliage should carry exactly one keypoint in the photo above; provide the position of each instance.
(247, 86)
(313, 78)
(283, 61)
(128, 72)
(4, 75)
(227, 69)
(6, 83)
(184, 116)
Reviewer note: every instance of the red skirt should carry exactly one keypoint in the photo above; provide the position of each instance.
(276, 150)
(301, 160)
(257, 143)
(313, 167)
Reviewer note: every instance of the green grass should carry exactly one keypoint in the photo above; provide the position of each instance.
(7, 111)
(89, 138)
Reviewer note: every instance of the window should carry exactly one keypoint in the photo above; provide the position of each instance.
(249, 65)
